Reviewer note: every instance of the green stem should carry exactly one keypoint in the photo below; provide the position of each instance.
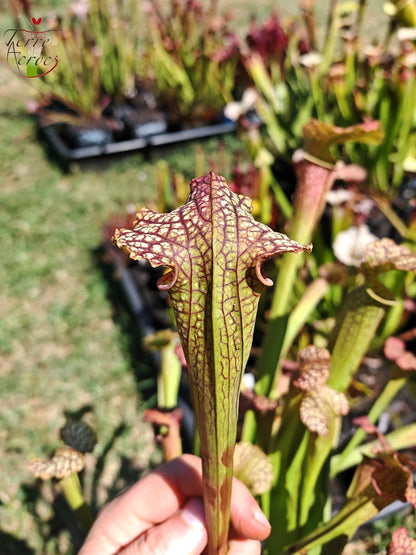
(318, 452)
(318, 96)
(169, 377)
(277, 325)
(402, 438)
(72, 490)
(389, 392)
(356, 325)
(357, 511)
(281, 198)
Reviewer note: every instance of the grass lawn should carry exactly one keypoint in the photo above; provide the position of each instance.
(61, 349)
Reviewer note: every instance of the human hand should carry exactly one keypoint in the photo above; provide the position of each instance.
(163, 514)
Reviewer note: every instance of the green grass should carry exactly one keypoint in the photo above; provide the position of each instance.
(61, 349)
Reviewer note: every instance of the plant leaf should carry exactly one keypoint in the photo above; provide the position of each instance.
(384, 254)
(213, 249)
(320, 403)
(314, 366)
(377, 482)
(253, 467)
(384, 479)
(356, 324)
(320, 406)
(320, 136)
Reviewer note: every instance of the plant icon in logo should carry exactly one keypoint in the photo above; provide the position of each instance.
(27, 49)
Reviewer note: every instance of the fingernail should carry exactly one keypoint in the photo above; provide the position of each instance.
(260, 517)
(193, 513)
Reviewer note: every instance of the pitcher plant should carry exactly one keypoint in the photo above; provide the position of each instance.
(213, 250)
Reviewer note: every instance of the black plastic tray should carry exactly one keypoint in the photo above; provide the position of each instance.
(51, 134)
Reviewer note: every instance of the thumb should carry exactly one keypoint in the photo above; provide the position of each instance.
(184, 532)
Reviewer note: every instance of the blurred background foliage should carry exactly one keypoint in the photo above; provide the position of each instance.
(65, 350)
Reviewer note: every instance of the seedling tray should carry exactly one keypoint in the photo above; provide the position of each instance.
(54, 139)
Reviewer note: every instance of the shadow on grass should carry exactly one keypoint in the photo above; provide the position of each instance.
(128, 472)
(99, 468)
(134, 322)
(141, 308)
(49, 529)
(13, 546)
(61, 519)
